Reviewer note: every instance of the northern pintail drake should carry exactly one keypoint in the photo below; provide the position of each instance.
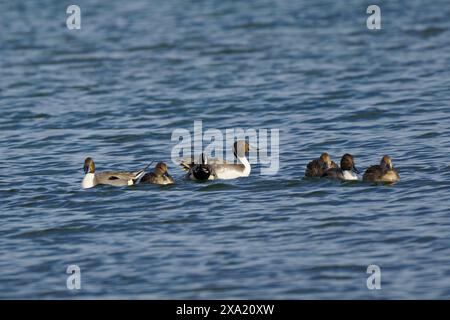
(112, 178)
(317, 167)
(347, 171)
(224, 171)
(159, 176)
(384, 172)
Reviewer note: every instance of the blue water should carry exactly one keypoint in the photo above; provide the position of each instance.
(137, 70)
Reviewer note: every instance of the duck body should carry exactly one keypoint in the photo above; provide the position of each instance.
(231, 171)
(220, 169)
(201, 171)
(317, 167)
(153, 178)
(347, 171)
(112, 178)
(159, 176)
(338, 173)
(384, 172)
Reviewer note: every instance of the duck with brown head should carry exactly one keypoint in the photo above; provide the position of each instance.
(160, 175)
(112, 178)
(317, 167)
(384, 172)
(346, 172)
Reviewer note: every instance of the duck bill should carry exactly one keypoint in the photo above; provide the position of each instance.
(355, 170)
(86, 169)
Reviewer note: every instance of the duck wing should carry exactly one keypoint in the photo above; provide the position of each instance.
(149, 177)
(334, 173)
(373, 173)
(120, 178)
(313, 169)
(113, 178)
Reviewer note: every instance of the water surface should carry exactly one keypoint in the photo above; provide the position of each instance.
(137, 70)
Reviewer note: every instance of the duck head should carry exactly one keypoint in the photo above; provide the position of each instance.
(161, 169)
(386, 162)
(325, 161)
(348, 163)
(89, 166)
(240, 148)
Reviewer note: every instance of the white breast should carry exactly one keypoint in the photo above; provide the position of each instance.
(88, 181)
(349, 175)
(227, 173)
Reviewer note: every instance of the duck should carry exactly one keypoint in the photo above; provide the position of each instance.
(201, 171)
(317, 167)
(112, 178)
(221, 170)
(347, 171)
(384, 172)
(160, 175)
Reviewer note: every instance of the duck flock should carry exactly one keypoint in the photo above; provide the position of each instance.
(219, 169)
